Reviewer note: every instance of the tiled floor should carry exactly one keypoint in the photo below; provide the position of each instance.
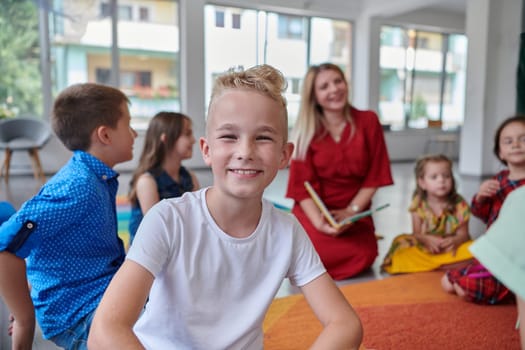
(389, 222)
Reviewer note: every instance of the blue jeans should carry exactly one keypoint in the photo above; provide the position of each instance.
(75, 338)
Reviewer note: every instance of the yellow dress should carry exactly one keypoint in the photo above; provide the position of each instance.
(406, 254)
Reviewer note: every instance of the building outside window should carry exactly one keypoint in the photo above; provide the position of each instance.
(148, 51)
(422, 72)
(147, 69)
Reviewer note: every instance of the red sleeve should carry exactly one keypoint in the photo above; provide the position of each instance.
(481, 209)
(379, 173)
(299, 172)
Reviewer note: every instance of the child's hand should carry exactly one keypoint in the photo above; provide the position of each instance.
(450, 244)
(432, 243)
(22, 335)
(488, 188)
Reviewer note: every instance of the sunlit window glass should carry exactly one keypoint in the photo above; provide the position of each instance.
(393, 73)
(422, 78)
(331, 41)
(280, 40)
(227, 46)
(454, 94)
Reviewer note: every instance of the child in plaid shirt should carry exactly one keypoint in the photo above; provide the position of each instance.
(501, 251)
(474, 282)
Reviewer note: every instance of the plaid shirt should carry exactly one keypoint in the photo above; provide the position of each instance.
(487, 209)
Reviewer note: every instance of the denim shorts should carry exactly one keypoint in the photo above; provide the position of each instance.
(75, 338)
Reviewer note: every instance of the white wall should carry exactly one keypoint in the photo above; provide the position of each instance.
(493, 28)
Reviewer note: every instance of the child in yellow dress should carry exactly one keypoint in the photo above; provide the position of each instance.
(440, 217)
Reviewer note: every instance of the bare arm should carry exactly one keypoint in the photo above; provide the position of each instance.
(120, 308)
(15, 292)
(362, 199)
(342, 327)
(147, 192)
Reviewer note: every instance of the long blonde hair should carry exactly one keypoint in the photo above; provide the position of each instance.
(264, 79)
(309, 122)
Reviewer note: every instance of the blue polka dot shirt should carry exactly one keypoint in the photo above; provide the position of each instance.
(68, 235)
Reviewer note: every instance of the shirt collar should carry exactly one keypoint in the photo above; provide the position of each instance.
(100, 169)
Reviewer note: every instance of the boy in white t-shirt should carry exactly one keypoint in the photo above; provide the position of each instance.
(207, 265)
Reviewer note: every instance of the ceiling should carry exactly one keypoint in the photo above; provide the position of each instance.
(385, 8)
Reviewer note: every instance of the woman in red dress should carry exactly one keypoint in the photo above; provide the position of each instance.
(341, 151)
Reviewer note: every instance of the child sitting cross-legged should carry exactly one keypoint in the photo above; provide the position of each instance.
(474, 282)
(439, 222)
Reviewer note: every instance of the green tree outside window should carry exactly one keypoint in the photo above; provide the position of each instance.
(20, 90)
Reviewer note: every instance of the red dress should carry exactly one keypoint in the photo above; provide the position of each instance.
(337, 170)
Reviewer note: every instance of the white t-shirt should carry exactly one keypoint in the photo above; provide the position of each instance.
(211, 290)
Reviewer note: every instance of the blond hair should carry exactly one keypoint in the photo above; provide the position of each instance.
(263, 79)
(308, 122)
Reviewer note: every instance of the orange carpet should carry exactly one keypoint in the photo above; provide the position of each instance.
(401, 312)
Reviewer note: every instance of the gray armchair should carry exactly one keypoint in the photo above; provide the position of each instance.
(23, 134)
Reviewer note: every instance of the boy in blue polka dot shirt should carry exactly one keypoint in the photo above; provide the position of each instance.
(59, 252)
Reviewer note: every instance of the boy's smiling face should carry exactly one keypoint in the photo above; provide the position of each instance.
(245, 142)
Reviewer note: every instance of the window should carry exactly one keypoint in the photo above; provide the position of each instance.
(331, 41)
(20, 77)
(124, 11)
(103, 76)
(276, 39)
(422, 78)
(131, 80)
(128, 79)
(236, 21)
(105, 10)
(219, 19)
(295, 86)
(148, 52)
(143, 14)
(291, 27)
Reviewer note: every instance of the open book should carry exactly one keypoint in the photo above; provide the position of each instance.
(328, 215)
